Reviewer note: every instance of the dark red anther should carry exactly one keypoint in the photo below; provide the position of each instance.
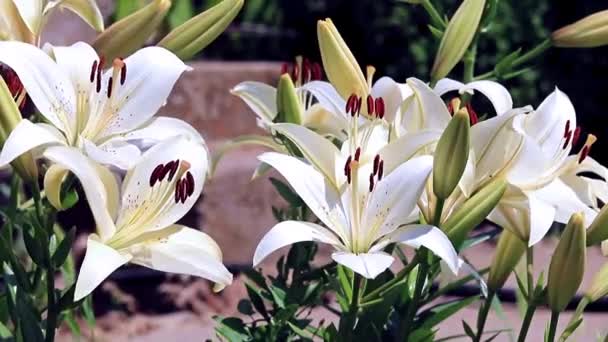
(567, 128)
(184, 195)
(376, 163)
(350, 103)
(165, 171)
(371, 182)
(380, 107)
(123, 74)
(576, 136)
(93, 71)
(172, 166)
(380, 169)
(472, 114)
(567, 141)
(370, 105)
(98, 86)
(109, 92)
(450, 107)
(189, 183)
(155, 173)
(99, 69)
(347, 166)
(306, 71)
(584, 154)
(357, 153)
(295, 73)
(317, 73)
(284, 68)
(358, 107)
(178, 190)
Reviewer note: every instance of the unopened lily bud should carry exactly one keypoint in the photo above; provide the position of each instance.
(10, 117)
(288, 104)
(340, 65)
(14, 28)
(508, 252)
(130, 33)
(473, 211)
(195, 34)
(567, 264)
(591, 31)
(451, 154)
(599, 285)
(598, 230)
(457, 37)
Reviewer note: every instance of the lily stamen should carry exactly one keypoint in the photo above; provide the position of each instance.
(591, 139)
(370, 105)
(380, 107)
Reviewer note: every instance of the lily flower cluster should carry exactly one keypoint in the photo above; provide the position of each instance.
(363, 167)
(140, 173)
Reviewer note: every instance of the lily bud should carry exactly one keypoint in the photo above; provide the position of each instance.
(598, 230)
(195, 34)
(591, 31)
(10, 117)
(457, 37)
(599, 285)
(288, 104)
(508, 252)
(341, 67)
(14, 28)
(451, 154)
(567, 264)
(130, 33)
(473, 211)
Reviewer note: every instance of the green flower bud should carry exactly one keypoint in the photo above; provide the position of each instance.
(508, 252)
(288, 103)
(10, 117)
(473, 211)
(567, 264)
(591, 31)
(457, 37)
(131, 33)
(598, 230)
(451, 154)
(195, 34)
(340, 65)
(599, 285)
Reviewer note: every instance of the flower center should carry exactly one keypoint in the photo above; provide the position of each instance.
(572, 136)
(302, 71)
(14, 84)
(184, 185)
(455, 104)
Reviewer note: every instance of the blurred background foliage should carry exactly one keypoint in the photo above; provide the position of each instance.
(393, 36)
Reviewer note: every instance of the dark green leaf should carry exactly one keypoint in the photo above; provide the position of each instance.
(441, 312)
(300, 332)
(287, 313)
(468, 330)
(493, 337)
(87, 310)
(345, 282)
(421, 335)
(257, 301)
(245, 307)
(232, 328)
(33, 246)
(63, 250)
(279, 295)
(69, 199)
(257, 278)
(66, 299)
(29, 319)
(285, 191)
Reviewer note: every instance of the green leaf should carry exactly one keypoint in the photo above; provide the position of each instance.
(441, 312)
(493, 337)
(87, 310)
(421, 335)
(345, 282)
(245, 307)
(70, 319)
(257, 278)
(32, 244)
(257, 301)
(5, 332)
(69, 199)
(63, 250)
(437, 33)
(504, 65)
(300, 332)
(279, 295)
(287, 313)
(66, 300)
(522, 287)
(330, 333)
(286, 193)
(572, 326)
(232, 328)
(468, 330)
(29, 319)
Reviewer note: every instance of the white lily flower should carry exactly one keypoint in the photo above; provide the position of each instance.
(531, 151)
(23, 20)
(359, 224)
(497, 94)
(86, 107)
(138, 225)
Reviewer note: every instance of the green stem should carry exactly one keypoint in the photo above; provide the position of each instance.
(553, 326)
(525, 324)
(436, 18)
(529, 276)
(469, 62)
(438, 212)
(348, 322)
(51, 312)
(535, 52)
(393, 282)
(37, 202)
(482, 317)
(406, 324)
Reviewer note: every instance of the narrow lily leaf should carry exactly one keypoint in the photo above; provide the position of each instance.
(288, 195)
(257, 301)
(345, 282)
(32, 245)
(468, 330)
(232, 328)
(63, 250)
(87, 10)
(443, 311)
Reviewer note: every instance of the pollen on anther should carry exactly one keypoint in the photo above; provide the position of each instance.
(357, 153)
(189, 183)
(370, 105)
(123, 74)
(155, 173)
(350, 103)
(172, 166)
(109, 91)
(567, 139)
(371, 182)
(284, 68)
(380, 169)
(576, 136)
(376, 163)
(567, 128)
(316, 71)
(178, 190)
(347, 166)
(380, 107)
(93, 71)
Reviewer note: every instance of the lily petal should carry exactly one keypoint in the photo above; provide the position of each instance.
(369, 265)
(565, 201)
(99, 262)
(162, 128)
(316, 149)
(141, 206)
(289, 232)
(152, 73)
(49, 88)
(425, 110)
(184, 250)
(94, 189)
(260, 97)
(447, 277)
(445, 85)
(327, 96)
(394, 197)
(406, 147)
(497, 94)
(53, 178)
(25, 137)
(430, 237)
(315, 190)
(392, 93)
(76, 61)
(117, 153)
(546, 125)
